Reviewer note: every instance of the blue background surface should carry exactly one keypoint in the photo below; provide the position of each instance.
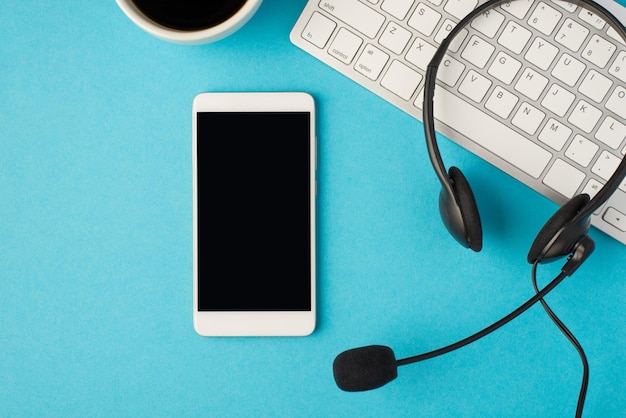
(96, 244)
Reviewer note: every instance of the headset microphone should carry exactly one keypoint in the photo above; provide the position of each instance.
(365, 368)
(373, 366)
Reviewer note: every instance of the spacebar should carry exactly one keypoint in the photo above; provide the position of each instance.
(490, 134)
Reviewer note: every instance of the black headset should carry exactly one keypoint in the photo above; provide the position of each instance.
(564, 235)
(560, 235)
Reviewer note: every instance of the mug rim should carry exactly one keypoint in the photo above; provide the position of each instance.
(211, 34)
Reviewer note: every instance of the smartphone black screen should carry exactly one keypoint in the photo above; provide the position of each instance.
(254, 219)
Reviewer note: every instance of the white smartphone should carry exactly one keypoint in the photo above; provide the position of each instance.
(254, 200)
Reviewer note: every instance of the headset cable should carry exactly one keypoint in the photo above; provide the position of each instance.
(568, 334)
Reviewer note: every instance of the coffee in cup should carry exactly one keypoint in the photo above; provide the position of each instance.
(189, 21)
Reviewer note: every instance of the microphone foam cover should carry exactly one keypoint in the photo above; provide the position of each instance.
(365, 368)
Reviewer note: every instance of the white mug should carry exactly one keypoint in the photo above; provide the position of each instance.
(190, 36)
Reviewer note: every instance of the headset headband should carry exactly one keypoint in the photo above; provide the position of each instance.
(429, 91)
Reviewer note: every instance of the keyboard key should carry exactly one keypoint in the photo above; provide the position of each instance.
(345, 46)
(401, 80)
(514, 37)
(585, 116)
(595, 86)
(371, 62)
(618, 68)
(501, 102)
(450, 71)
(395, 38)
(541, 53)
(420, 53)
(528, 118)
(615, 218)
(356, 14)
(544, 18)
(478, 51)
(555, 134)
(564, 178)
(504, 68)
(591, 18)
(592, 188)
(569, 6)
(460, 8)
(572, 35)
(611, 132)
(568, 69)
(581, 150)
(424, 19)
(606, 165)
(617, 102)
(558, 100)
(518, 8)
(490, 134)
(443, 32)
(531, 84)
(614, 35)
(318, 30)
(598, 51)
(488, 23)
(397, 8)
(475, 86)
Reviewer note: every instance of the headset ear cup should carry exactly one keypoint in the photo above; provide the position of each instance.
(548, 232)
(469, 211)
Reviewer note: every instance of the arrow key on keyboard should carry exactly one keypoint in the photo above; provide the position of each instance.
(615, 218)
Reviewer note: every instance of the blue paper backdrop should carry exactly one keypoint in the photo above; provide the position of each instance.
(96, 251)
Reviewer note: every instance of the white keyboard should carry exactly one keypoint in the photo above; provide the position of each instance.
(537, 88)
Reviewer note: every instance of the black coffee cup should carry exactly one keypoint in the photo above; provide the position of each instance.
(189, 21)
